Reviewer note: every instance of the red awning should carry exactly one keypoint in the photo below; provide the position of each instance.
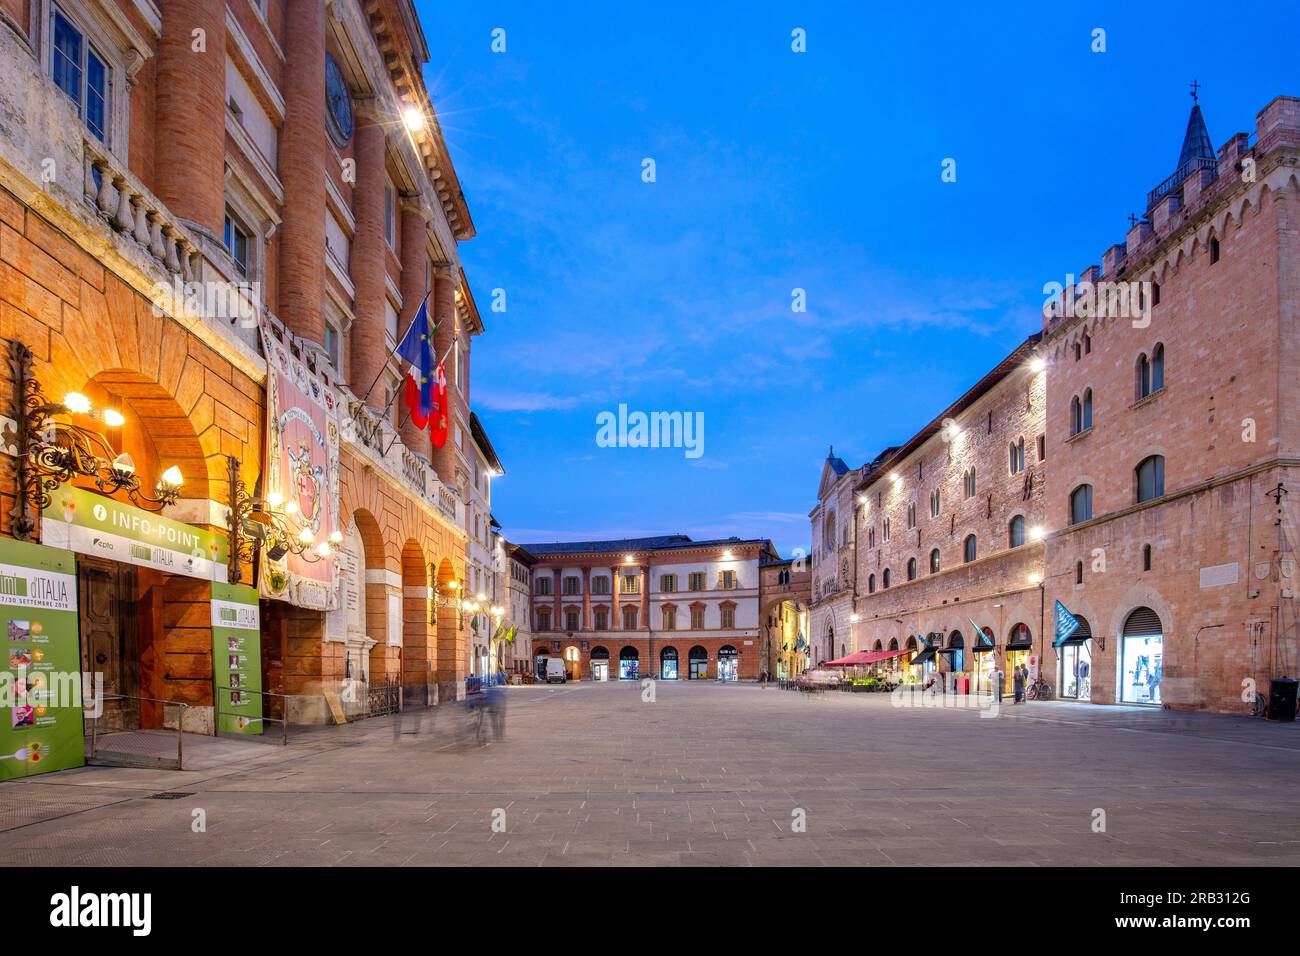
(860, 658)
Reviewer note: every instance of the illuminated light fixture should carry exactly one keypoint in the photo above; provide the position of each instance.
(291, 508)
(113, 418)
(413, 117)
(854, 618)
(124, 464)
(172, 477)
(253, 520)
(1035, 579)
(76, 403)
(336, 537)
(49, 453)
(726, 555)
(1036, 533)
(862, 499)
(480, 596)
(306, 536)
(628, 558)
(274, 499)
(895, 477)
(324, 549)
(1037, 364)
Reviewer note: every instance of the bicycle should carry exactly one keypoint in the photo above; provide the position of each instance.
(1040, 690)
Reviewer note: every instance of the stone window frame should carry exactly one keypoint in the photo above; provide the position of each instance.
(115, 40)
(969, 548)
(669, 613)
(725, 608)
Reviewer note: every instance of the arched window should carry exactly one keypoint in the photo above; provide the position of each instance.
(1016, 456)
(911, 569)
(1087, 344)
(934, 503)
(1214, 249)
(1081, 504)
(1158, 367)
(1016, 531)
(968, 548)
(1076, 416)
(828, 536)
(1146, 557)
(884, 579)
(879, 646)
(1151, 478)
(1087, 409)
(934, 561)
(893, 643)
(871, 584)
(968, 482)
(1078, 572)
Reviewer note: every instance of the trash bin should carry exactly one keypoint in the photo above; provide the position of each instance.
(1282, 698)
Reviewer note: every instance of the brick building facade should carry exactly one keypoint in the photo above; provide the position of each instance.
(288, 150)
(665, 607)
(1133, 464)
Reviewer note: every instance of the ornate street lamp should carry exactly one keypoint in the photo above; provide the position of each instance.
(51, 453)
(267, 519)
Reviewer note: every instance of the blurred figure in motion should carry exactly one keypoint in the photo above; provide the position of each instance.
(494, 701)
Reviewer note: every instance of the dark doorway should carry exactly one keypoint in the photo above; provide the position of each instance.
(106, 597)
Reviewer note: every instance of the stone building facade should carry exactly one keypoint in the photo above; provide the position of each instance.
(834, 564)
(665, 607)
(288, 151)
(949, 528)
(1184, 565)
(1155, 487)
(786, 588)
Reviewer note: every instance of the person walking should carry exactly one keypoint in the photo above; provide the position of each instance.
(998, 677)
(1024, 680)
(1018, 682)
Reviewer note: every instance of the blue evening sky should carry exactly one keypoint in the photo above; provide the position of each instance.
(777, 171)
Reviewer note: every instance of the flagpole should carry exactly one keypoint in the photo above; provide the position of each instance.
(391, 354)
(398, 433)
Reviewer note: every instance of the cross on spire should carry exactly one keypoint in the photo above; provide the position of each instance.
(1195, 88)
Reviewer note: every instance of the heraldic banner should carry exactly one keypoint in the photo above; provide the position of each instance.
(302, 466)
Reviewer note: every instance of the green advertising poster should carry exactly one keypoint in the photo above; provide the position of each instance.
(88, 523)
(40, 691)
(237, 658)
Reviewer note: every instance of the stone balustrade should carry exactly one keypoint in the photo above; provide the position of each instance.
(132, 210)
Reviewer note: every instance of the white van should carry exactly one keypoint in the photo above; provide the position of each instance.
(555, 671)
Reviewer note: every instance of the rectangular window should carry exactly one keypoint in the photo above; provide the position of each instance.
(670, 619)
(602, 619)
(332, 342)
(729, 617)
(235, 237)
(696, 581)
(571, 621)
(543, 585)
(82, 74)
(631, 584)
(727, 580)
(697, 618)
(629, 619)
(390, 214)
(600, 585)
(668, 582)
(1042, 447)
(571, 584)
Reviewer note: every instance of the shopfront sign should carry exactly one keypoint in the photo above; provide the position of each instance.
(41, 686)
(87, 523)
(237, 658)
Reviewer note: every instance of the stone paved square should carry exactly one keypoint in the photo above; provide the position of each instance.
(707, 774)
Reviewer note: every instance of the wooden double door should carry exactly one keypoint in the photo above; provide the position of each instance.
(107, 593)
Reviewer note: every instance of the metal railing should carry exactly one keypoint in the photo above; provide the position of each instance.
(1180, 176)
(138, 752)
(282, 720)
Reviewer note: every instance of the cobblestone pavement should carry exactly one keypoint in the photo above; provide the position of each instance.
(706, 774)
